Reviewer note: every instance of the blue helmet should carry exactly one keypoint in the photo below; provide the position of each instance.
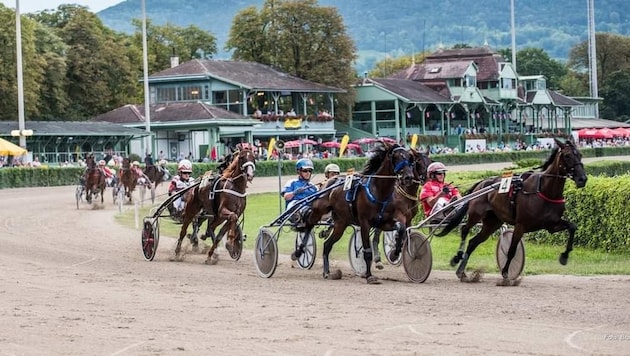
(304, 163)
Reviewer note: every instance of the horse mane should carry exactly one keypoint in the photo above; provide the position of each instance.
(378, 154)
(550, 159)
(232, 167)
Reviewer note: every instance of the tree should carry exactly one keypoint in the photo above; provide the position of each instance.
(164, 42)
(389, 66)
(535, 61)
(612, 54)
(300, 38)
(615, 93)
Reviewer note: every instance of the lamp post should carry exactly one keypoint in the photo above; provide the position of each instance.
(20, 78)
(145, 64)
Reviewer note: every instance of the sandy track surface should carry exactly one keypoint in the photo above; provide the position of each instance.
(73, 282)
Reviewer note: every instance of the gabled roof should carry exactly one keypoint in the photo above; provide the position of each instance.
(410, 90)
(555, 98)
(170, 112)
(434, 71)
(250, 75)
(72, 128)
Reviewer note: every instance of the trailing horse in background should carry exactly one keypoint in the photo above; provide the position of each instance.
(536, 203)
(94, 180)
(128, 177)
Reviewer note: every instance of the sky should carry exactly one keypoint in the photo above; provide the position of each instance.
(38, 5)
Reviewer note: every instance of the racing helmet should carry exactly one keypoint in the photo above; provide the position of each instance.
(436, 167)
(101, 162)
(184, 166)
(304, 163)
(136, 164)
(332, 168)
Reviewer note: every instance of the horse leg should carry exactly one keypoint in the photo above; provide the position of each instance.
(395, 253)
(367, 254)
(377, 256)
(462, 244)
(336, 234)
(182, 233)
(231, 232)
(490, 225)
(212, 259)
(571, 228)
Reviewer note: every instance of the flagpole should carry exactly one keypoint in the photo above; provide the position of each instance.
(145, 63)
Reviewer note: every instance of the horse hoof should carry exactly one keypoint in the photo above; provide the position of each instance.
(393, 255)
(504, 282)
(335, 275)
(372, 280)
(379, 265)
(212, 261)
(454, 261)
(563, 259)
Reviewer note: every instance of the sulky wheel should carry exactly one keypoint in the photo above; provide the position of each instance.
(266, 253)
(518, 262)
(150, 238)
(355, 253)
(389, 244)
(78, 194)
(417, 258)
(307, 258)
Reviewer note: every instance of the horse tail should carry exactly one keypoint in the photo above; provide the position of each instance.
(459, 214)
(454, 221)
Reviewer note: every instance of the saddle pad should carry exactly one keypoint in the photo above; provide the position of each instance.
(207, 179)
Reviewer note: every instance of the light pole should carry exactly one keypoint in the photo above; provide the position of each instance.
(20, 78)
(145, 63)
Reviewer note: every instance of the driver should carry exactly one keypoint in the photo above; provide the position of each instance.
(179, 182)
(110, 176)
(435, 193)
(299, 188)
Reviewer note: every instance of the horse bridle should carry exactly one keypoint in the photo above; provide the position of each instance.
(400, 165)
(570, 171)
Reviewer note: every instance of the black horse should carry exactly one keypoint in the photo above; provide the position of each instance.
(535, 204)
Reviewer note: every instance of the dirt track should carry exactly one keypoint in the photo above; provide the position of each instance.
(74, 282)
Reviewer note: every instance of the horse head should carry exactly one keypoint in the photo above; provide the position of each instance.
(420, 163)
(401, 164)
(570, 162)
(243, 163)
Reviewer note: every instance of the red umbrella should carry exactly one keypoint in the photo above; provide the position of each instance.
(365, 140)
(331, 144)
(589, 133)
(306, 141)
(621, 132)
(387, 140)
(292, 144)
(606, 133)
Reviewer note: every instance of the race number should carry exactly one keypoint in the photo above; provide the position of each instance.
(506, 182)
(347, 184)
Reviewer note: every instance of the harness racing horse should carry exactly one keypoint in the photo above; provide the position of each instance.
(156, 174)
(94, 180)
(406, 202)
(128, 178)
(223, 199)
(537, 205)
(366, 204)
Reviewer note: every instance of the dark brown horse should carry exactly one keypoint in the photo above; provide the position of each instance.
(94, 180)
(536, 203)
(222, 199)
(366, 204)
(128, 177)
(156, 174)
(405, 204)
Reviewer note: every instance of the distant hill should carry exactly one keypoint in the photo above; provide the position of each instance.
(397, 27)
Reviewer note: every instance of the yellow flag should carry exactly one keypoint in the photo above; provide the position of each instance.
(344, 143)
(272, 143)
(414, 141)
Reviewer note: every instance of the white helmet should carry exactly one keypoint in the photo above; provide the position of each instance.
(436, 167)
(136, 163)
(184, 166)
(101, 162)
(332, 168)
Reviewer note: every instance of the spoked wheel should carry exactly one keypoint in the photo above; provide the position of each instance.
(78, 194)
(120, 198)
(417, 258)
(150, 238)
(518, 262)
(153, 193)
(389, 244)
(307, 258)
(355, 253)
(142, 189)
(266, 253)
